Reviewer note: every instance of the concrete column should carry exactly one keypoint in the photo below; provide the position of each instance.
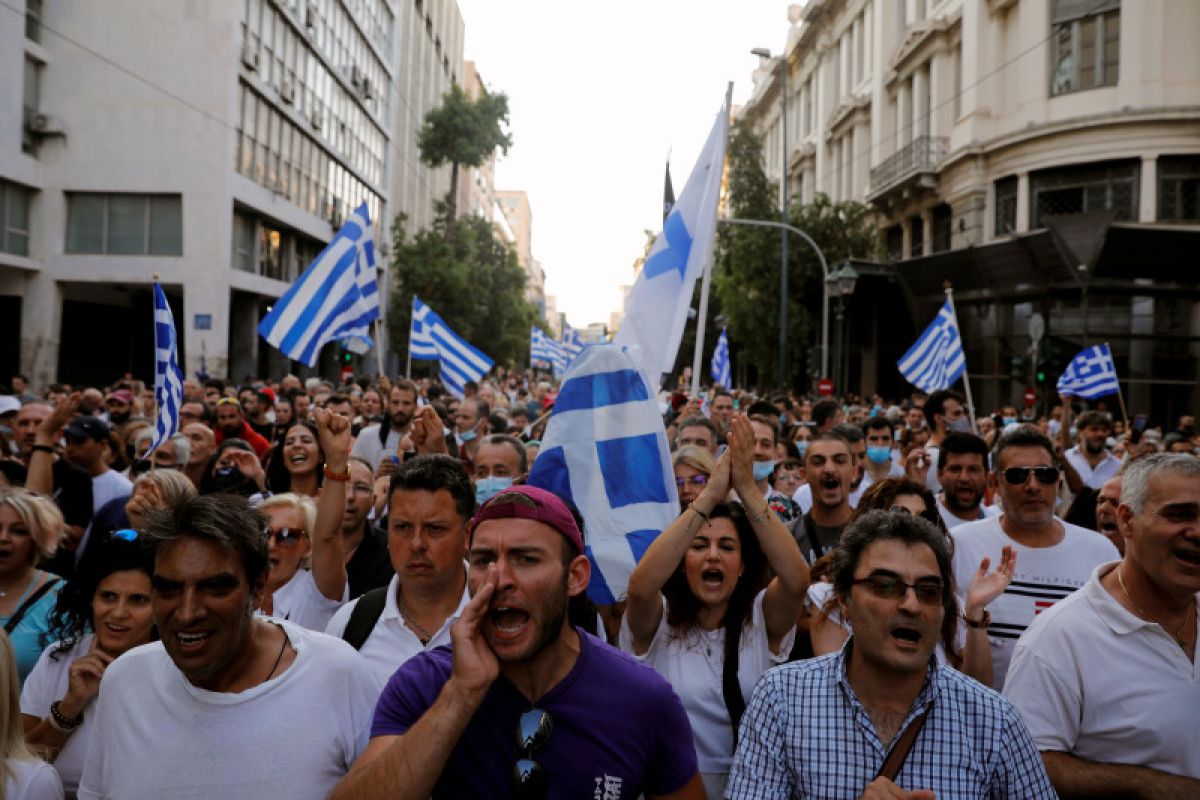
(1148, 194)
(927, 231)
(41, 329)
(1023, 213)
(939, 67)
(920, 102)
(903, 115)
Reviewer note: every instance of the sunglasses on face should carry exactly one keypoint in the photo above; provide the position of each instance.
(285, 537)
(695, 480)
(929, 591)
(533, 731)
(1019, 476)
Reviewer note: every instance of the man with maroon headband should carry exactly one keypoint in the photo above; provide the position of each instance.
(525, 704)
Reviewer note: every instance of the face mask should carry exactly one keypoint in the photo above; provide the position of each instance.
(763, 470)
(960, 425)
(487, 488)
(879, 455)
(802, 448)
(1010, 420)
(467, 437)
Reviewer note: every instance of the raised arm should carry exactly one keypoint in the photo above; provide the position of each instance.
(984, 588)
(1077, 777)
(785, 593)
(41, 461)
(644, 607)
(328, 558)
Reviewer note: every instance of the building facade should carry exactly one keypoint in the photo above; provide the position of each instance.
(214, 147)
(514, 204)
(1041, 155)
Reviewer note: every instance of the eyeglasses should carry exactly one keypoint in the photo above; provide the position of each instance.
(929, 591)
(285, 537)
(695, 480)
(1019, 476)
(125, 535)
(533, 731)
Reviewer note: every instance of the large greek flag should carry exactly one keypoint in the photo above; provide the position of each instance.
(336, 298)
(545, 350)
(657, 308)
(431, 338)
(606, 451)
(168, 377)
(720, 362)
(936, 360)
(1090, 374)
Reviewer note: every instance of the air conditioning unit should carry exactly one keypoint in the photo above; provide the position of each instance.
(310, 17)
(356, 77)
(287, 91)
(316, 120)
(250, 56)
(335, 213)
(364, 89)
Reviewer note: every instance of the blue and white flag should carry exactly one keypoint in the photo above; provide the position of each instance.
(657, 308)
(720, 362)
(431, 338)
(936, 360)
(1090, 374)
(336, 299)
(546, 351)
(572, 343)
(605, 450)
(168, 377)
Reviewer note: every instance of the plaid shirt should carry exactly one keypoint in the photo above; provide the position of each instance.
(805, 734)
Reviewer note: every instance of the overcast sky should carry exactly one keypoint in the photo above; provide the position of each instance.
(598, 94)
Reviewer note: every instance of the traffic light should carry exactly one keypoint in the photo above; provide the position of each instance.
(346, 356)
(1019, 368)
(814, 361)
(1043, 367)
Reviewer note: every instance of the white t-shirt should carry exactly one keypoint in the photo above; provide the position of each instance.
(691, 661)
(1094, 680)
(48, 683)
(32, 779)
(109, 485)
(300, 601)
(951, 521)
(368, 448)
(294, 736)
(1108, 467)
(1043, 576)
(391, 642)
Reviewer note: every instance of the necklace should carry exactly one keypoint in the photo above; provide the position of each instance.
(1179, 640)
(279, 657)
(422, 634)
(10, 587)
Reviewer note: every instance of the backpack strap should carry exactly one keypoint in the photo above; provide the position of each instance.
(366, 613)
(20, 613)
(896, 756)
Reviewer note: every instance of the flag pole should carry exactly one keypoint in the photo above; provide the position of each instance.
(1120, 394)
(703, 317)
(965, 377)
(379, 343)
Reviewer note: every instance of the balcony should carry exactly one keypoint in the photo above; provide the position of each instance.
(914, 166)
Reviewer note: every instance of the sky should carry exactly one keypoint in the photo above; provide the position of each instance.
(599, 94)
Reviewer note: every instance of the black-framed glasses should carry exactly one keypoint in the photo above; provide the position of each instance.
(1018, 476)
(533, 731)
(285, 537)
(695, 480)
(929, 591)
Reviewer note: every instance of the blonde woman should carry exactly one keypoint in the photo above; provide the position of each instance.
(31, 527)
(26, 777)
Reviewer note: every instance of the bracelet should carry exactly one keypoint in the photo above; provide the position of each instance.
(337, 476)
(59, 722)
(703, 516)
(982, 622)
(42, 448)
(760, 517)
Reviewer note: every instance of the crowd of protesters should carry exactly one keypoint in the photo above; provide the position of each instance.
(320, 589)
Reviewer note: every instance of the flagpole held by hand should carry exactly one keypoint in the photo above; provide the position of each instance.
(965, 376)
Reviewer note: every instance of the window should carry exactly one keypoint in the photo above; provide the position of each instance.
(14, 218)
(916, 237)
(243, 242)
(1179, 188)
(33, 20)
(30, 104)
(942, 228)
(1093, 187)
(124, 224)
(270, 253)
(894, 243)
(1006, 206)
(1085, 38)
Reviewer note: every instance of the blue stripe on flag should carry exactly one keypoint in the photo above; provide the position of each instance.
(936, 359)
(639, 542)
(601, 389)
(550, 473)
(632, 471)
(168, 377)
(674, 256)
(597, 588)
(1091, 374)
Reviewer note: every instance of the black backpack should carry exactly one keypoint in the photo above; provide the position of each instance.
(366, 613)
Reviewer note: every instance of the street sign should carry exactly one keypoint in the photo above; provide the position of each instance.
(1037, 327)
(825, 387)
(1030, 396)
(347, 373)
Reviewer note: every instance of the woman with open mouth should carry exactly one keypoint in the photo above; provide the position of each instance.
(31, 528)
(101, 613)
(295, 463)
(700, 609)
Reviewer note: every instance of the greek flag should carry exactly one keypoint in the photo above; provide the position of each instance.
(605, 450)
(720, 362)
(936, 360)
(168, 377)
(657, 307)
(572, 342)
(336, 298)
(1090, 374)
(544, 350)
(431, 338)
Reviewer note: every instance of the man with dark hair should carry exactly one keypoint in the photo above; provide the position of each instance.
(879, 434)
(193, 411)
(214, 390)
(697, 431)
(375, 442)
(945, 411)
(232, 425)
(853, 436)
(1054, 558)
(1107, 679)
(430, 501)
(499, 461)
(254, 409)
(822, 727)
(1090, 457)
(1108, 500)
(470, 423)
(827, 413)
(766, 438)
(722, 413)
(589, 721)
(829, 468)
(963, 474)
(188, 715)
(368, 565)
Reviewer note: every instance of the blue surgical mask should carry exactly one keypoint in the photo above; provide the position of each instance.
(960, 425)
(763, 470)
(1010, 420)
(802, 447)
(487, 488)
(879, 455)
(466, 437)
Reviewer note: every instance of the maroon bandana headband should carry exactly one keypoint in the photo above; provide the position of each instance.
(547, 507)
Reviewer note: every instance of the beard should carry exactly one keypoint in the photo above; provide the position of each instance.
(1094, 446)
(400, 419)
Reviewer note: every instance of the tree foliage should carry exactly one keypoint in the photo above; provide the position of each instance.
(473, 282)
(464, 132)
(747, 278)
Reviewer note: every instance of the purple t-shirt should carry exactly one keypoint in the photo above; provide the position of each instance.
(619, 729)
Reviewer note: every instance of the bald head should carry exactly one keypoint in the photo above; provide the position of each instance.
(203, 442)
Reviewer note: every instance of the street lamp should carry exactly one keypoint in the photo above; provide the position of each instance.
(840, 284)
(782, 66)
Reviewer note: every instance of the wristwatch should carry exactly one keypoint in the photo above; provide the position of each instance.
(982, 622)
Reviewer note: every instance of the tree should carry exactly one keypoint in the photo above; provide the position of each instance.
(463, 132)
(747, 281)
(473, 281)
